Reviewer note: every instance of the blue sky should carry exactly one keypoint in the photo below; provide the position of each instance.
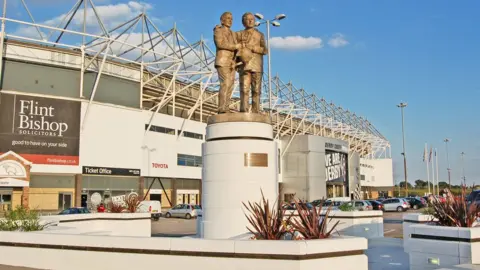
(424, 52)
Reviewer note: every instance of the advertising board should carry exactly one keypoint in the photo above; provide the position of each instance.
(336, 167)
(41, 130)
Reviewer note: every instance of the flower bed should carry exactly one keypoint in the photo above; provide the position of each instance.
(450, 236)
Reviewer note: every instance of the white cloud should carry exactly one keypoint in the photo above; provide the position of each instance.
(296, 43)
(111, 15)
(338, 40)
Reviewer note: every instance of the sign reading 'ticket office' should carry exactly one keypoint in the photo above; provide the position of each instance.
(90, 170)
(42, 130)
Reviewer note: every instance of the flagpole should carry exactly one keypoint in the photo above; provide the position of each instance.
(428, 173)
(433, 172)
(436, 161)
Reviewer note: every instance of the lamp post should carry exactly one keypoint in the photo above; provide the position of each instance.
(401, 106)
(275, 23)
(463, 170)
(448, 163)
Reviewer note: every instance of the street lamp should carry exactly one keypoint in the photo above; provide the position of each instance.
(275, 22)
(463, 170)
(448, 163)
(401, 106)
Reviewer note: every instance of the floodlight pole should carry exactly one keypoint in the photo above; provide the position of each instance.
(274, 22)
(2, 36)
(269, 69)
(463, 170)
(448, 164)
(402, 106)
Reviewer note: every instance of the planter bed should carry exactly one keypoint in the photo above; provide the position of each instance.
(55, 251)
(433, 247)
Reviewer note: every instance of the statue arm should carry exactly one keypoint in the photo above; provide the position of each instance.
(221, 42)
(262, 48)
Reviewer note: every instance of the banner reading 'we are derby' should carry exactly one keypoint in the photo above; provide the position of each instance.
(42, 130)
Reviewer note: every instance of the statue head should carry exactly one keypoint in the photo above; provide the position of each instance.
(248, 20)
(226, 19)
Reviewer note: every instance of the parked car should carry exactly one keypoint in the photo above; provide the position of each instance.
(336, 201)
(395, 204)
(75, 210)
(326, 203)
(474, 196)
(376, 205)
(152, 207)
(415, 203)
(361, 205)
(184, 210)
(291, 206)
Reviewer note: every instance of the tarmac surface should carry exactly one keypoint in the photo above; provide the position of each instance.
(178, 227)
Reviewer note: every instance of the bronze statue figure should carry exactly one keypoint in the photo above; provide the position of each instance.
(252, 49)
(227, 46)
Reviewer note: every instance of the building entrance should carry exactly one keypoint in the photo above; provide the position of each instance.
(64, 201)
(188, 196)
(5, 199)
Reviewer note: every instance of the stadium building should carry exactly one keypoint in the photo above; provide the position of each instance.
(88, 117)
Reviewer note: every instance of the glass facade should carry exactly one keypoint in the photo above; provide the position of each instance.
(189, 160)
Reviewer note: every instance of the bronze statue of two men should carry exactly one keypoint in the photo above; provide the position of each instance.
(240, 51)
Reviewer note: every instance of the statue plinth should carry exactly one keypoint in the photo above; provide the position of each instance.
(240, 117)
(240, 159)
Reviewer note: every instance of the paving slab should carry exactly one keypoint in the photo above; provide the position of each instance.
(387, 253)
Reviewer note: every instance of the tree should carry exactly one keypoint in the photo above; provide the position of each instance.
(402, 185)
(420, 183)
(442, 184)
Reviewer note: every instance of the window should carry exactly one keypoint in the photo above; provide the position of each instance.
(189, 160)
(159, 129)
(191, 135)
(362, 177)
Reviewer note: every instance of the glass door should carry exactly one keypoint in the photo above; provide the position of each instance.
(5, 202)
(64, 201)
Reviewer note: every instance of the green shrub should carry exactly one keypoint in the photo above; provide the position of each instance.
(346, 207)
(22, 219)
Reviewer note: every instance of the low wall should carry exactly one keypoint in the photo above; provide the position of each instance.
(410, 220)
(434, 247)
(56, 251)
(111, 224)
(368, 224)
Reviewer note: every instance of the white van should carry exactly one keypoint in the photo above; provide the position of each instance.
(152, 207)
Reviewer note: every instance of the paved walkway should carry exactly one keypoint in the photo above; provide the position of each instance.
(387, 253)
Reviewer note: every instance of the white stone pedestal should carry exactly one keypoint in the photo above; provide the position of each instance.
(239, 161)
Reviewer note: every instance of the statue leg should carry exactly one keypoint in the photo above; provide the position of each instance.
(245, 82)
(231, 84)
(256, 91)
(223, 77)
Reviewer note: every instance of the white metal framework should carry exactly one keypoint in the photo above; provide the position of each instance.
(175, 77)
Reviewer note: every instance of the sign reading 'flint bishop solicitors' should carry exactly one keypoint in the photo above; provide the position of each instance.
(42, 130)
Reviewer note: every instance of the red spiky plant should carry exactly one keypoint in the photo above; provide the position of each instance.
(267, 222)
(454, 212)
(311, 224)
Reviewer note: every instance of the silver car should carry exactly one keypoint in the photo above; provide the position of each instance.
(361, 205)
(395, 204)
(184, 210)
